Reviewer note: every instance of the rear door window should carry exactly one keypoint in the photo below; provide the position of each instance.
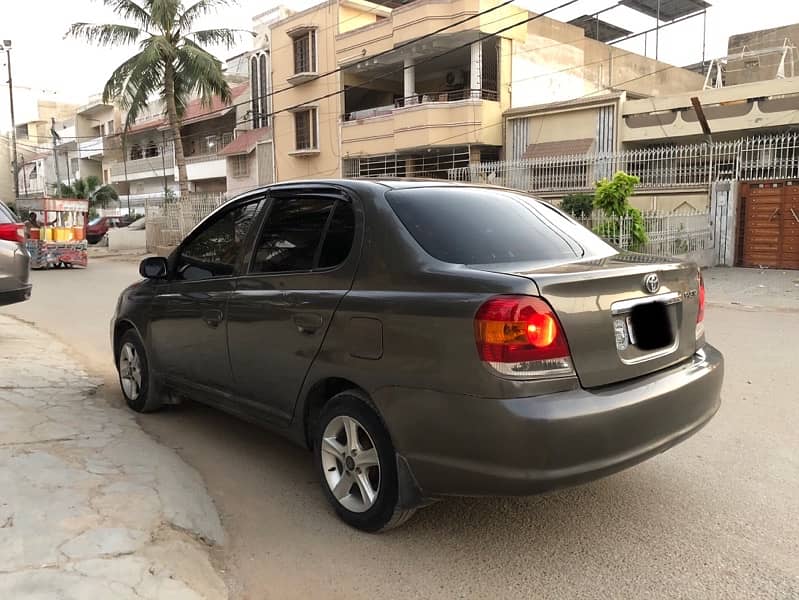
(304, 233)
(484, 226)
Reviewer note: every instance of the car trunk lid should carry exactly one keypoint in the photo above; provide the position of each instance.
(617, 327)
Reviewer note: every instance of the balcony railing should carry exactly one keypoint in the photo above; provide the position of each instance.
(417, 99)
(208, 147)
(156, 164)
(453, 96)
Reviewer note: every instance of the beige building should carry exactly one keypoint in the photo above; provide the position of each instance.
(408, 103)
(250, 156)
(37, 131)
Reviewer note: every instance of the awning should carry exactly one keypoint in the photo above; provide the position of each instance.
(564, 148)
(246, 142)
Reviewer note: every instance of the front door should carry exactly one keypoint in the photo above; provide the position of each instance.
(303, 264)
(771, 225)
(189, 326)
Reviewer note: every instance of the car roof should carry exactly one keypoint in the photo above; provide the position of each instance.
(386, 183)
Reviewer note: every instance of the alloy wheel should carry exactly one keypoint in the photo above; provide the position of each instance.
(350, 463)
(130, 371)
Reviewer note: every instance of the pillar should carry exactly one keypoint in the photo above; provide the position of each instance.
(409, 86)
(476, 77)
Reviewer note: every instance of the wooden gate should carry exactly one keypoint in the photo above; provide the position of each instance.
(769, 230)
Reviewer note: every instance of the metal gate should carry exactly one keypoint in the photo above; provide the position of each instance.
(769, 225)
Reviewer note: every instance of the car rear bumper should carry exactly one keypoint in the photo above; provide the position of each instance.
(16, 295)
(462, 445)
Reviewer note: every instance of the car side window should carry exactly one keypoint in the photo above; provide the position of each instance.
(340, 234)
(303, 233)
(215, 249)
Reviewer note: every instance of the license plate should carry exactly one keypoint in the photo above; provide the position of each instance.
(650, 326)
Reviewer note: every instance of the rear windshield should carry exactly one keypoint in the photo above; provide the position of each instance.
(484, 226)
(6, 216)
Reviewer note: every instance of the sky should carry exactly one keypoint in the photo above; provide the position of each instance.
(45, 65)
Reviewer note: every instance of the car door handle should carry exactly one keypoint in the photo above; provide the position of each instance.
(308, 322)
(213, 318)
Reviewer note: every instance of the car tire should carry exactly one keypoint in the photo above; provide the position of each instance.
(370, 503)
(134, 374)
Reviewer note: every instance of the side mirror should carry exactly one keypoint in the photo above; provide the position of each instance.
(153, 267)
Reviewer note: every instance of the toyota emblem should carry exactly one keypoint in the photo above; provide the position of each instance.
(652, 283)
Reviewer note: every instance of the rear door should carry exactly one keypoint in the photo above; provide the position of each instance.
(303, 264)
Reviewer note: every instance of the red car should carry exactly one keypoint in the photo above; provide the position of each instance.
(98, 227)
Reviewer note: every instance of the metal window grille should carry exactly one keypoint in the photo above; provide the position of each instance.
(241, 166)
(305, 53)
(305, 129)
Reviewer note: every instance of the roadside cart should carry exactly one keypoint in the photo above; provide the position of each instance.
(61, 239)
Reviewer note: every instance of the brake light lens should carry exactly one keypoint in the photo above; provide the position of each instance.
(12, 232)
(700, 313)
(521, 337)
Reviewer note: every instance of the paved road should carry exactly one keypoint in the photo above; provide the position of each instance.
(712, 518)
(91, 506)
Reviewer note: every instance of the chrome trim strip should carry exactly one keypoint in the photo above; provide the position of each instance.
(624, 306)
(653, 355)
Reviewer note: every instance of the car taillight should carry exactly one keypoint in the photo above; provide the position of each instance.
(12, 232)
(700, 313)
(521, 337)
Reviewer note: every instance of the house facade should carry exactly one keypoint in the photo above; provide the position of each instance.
(372, 89)
(141, 163)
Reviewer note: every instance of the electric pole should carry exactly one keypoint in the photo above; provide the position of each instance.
(56, 137)
(14, 158)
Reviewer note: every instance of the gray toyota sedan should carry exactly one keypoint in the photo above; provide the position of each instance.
(423, 340)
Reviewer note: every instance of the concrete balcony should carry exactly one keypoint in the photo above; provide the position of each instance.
(143, 168)
(731, 112)
(423, 17)
(205, 167)
(425, 121)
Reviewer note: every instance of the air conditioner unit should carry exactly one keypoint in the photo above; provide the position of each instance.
(455, 78)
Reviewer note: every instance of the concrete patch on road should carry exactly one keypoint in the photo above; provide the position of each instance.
(91, 507)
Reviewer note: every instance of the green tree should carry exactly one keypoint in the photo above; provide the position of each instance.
(91, 190)
(611, 198)
(171, 62)
(578, 205)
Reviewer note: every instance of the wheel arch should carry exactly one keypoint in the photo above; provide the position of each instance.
(121, 327)
(320, 394)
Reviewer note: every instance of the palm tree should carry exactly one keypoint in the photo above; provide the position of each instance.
(91, 190)
(171, 61)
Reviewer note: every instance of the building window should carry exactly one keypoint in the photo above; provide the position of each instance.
(254, 91)
(109, 128)
(305, 129)
(210, 144)
(264, 87)
(136, 152)
(151, 151)
(241, 166)
(305, 53)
